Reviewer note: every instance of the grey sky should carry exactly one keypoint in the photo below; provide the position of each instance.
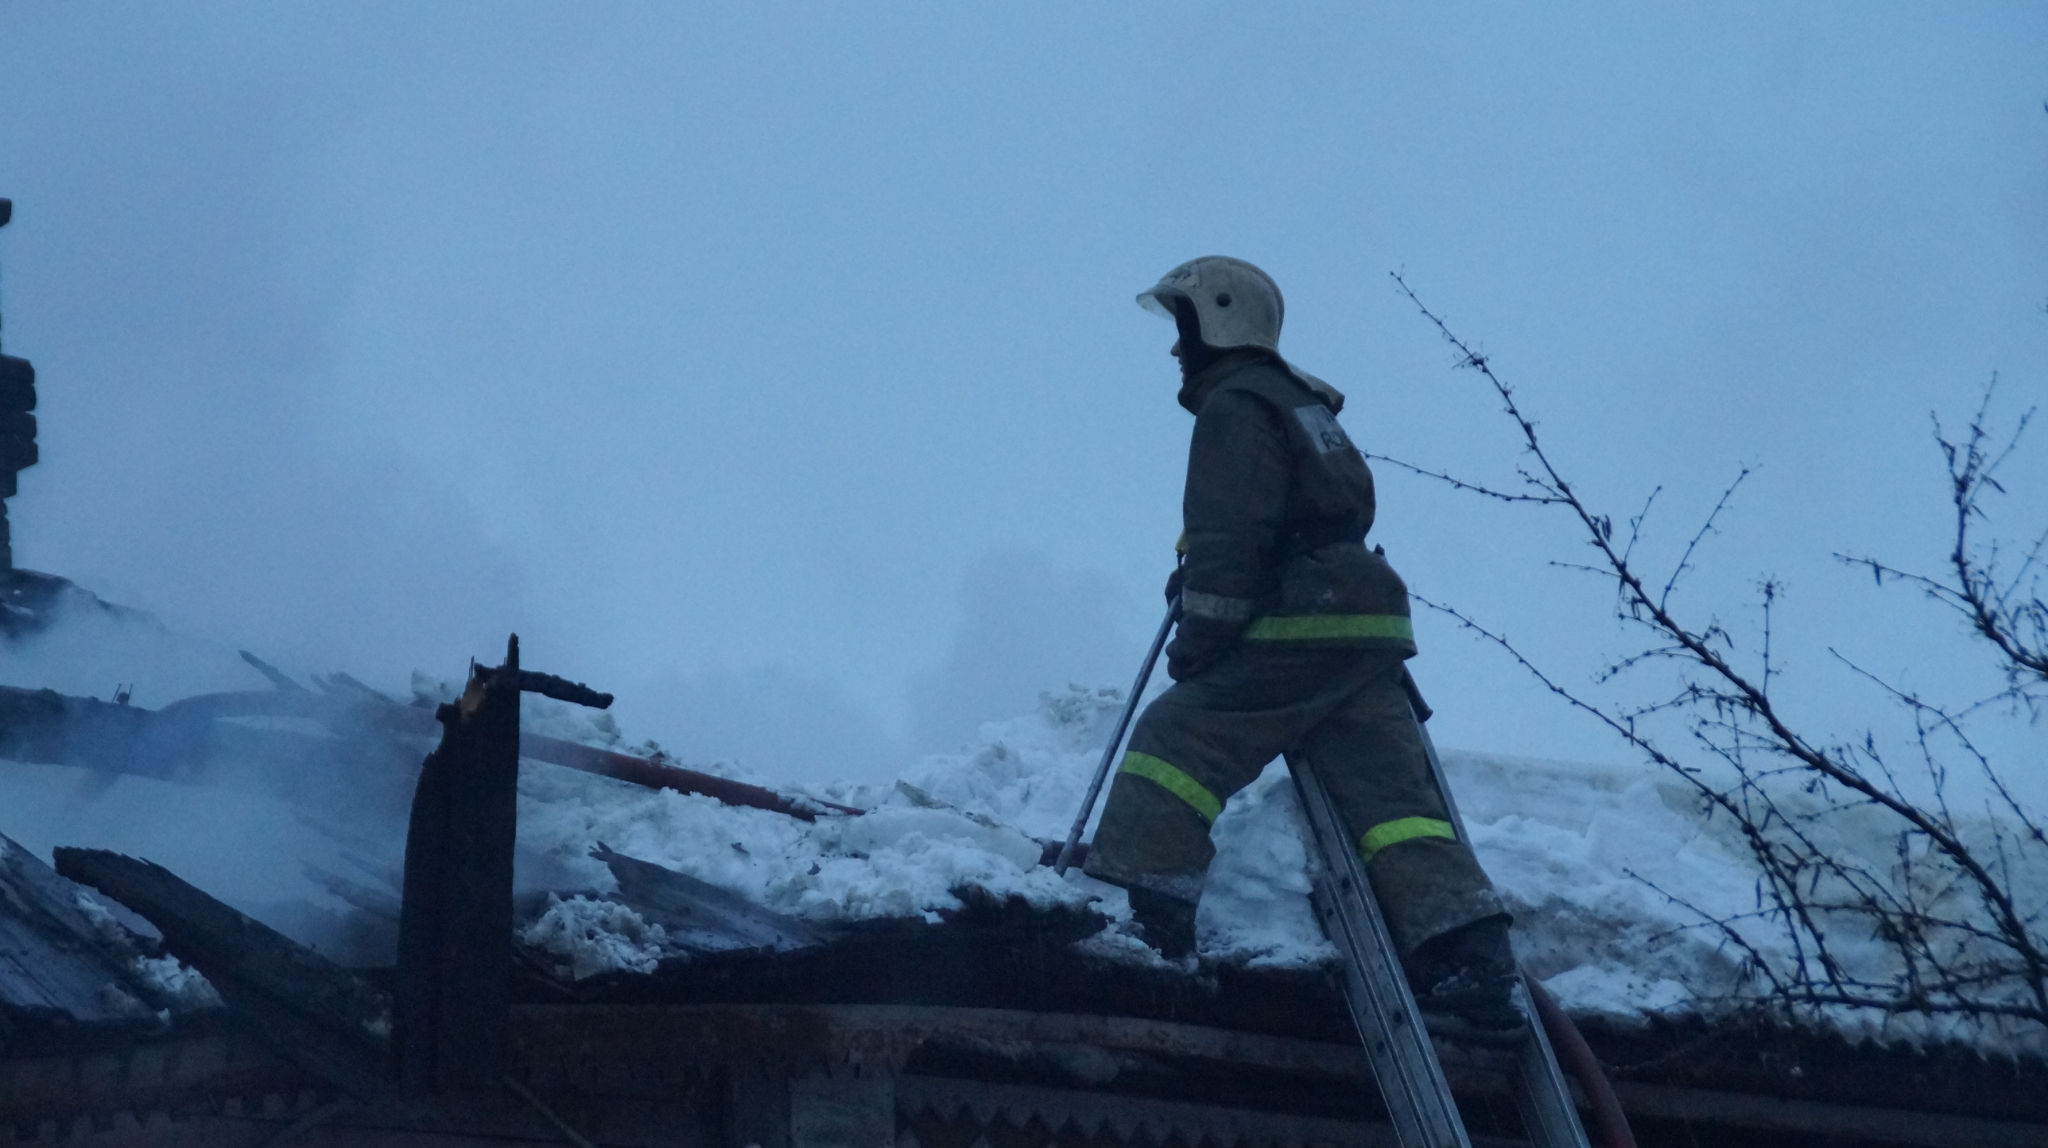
(776, 365)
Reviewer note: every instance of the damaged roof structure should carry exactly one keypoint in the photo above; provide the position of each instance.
(137, 1009)
(608, 997)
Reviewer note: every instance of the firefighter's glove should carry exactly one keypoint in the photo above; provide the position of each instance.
(1173, 584)
(1197, 642)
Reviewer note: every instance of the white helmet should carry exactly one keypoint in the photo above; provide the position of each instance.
(1236, 305)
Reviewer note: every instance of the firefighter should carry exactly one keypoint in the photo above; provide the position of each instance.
(1292, 640)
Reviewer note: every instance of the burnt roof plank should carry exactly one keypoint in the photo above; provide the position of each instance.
(701, 916)
(312, 1011)
(55, 965)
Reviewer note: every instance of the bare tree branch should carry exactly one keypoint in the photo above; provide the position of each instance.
(1945, 905)
(1457, 484)
(2008, 612)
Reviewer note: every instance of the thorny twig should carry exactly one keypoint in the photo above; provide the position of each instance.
(1803, 884)
(2006, 611)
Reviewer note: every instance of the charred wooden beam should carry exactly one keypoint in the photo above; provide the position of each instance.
(606, 763)
(182, 740)
(563, 690)
(55, 729)
(17, 425)
(455, 960)
(308, 1009)
(178, 741)
(654, 775)
(454, 977)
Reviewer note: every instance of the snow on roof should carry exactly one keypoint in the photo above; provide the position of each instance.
(1599, 862)
(1594, 860)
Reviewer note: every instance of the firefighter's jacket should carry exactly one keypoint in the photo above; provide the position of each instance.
(1276, 512)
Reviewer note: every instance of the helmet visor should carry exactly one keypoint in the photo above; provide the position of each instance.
(1159, 300)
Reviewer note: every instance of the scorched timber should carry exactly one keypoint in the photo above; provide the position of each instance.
(308, 1009)
(182, 741)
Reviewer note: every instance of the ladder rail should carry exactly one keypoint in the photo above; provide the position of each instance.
(1398, 1045)
(1404, 1060)
(1541, 1092)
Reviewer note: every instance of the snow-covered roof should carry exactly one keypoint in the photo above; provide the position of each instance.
(1609, 869)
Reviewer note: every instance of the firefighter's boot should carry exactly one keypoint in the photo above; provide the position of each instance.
(1165, 923)
(1464, 982)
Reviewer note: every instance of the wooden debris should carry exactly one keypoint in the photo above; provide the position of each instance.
(179, 741)
(701, 916)
(306, 1008)
(654, 775)
(57, 965)
(453, 987)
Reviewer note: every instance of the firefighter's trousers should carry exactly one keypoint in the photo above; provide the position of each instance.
(1343, 710)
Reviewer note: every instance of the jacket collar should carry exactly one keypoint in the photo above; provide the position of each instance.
(1196, 390)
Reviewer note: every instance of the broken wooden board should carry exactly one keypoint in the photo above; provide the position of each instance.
(57, 965)
(702, 917)
(308, 1009)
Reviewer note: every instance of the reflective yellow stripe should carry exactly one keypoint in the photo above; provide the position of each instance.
(1306, 627)
(1406, 829)
(1173, 781)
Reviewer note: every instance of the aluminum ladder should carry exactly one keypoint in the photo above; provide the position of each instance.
(1402, 1052)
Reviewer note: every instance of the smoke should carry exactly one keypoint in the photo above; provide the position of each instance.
(239, 820)
(183, 283)
(1024, 626)
(1028, 627)
(288, 817)
(770, 724)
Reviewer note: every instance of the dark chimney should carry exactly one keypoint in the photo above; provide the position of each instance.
(17, 425)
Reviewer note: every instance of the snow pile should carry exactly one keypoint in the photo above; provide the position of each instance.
(1575, 849)
(597, 936)
(978, 818)
(181, 984)
(1614, 873)
(1032, 772)
(903, 858)
(1255, 906)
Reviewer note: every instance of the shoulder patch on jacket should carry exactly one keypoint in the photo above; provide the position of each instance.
(1322, 428)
